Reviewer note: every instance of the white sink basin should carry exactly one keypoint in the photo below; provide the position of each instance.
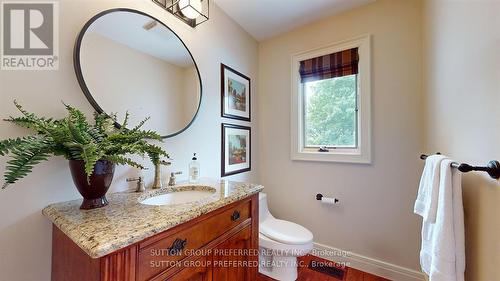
(178, 197)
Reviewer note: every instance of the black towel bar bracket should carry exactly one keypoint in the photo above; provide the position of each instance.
(493, 167)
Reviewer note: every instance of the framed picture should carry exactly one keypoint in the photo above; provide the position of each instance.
(236, 149)
(235, 94)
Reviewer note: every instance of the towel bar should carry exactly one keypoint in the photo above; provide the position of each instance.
(493, 167)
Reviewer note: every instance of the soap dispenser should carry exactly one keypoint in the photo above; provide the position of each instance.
(194, 170)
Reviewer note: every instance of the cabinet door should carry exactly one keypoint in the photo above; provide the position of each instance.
(235, 259)
(198, 271)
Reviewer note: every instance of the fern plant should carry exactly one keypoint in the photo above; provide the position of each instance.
(75, 138)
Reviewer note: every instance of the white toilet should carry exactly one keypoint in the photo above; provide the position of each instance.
(280, 243)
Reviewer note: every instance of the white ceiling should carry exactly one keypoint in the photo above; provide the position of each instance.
(264, 19)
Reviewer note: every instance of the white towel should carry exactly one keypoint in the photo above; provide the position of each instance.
(426, 203)
(442, 255)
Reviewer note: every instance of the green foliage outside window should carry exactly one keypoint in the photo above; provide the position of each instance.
(330, 112)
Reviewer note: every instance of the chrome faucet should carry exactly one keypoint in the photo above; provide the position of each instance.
(172, 181)
(157, 183)
(140, 183)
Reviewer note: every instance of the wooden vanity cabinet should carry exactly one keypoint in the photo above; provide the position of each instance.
(223, 265)
(219, 246)
(228, 261)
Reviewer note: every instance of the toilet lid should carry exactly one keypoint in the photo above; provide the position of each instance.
(285, 232)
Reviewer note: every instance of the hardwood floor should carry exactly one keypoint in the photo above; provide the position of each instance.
(308, 274)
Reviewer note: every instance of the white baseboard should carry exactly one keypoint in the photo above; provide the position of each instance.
(366, 264)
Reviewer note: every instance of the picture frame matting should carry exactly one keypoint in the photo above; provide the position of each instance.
(236, 149)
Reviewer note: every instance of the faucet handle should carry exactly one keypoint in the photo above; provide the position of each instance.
(165, 163)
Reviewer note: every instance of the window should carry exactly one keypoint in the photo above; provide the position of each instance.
(330, 113)
(331, 103)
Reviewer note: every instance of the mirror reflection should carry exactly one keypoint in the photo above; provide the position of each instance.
(131, 62)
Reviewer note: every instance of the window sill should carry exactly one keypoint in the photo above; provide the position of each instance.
(334, 155)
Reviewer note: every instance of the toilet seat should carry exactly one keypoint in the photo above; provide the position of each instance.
(285, 232)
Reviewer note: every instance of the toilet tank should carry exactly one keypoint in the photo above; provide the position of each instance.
(263, 209)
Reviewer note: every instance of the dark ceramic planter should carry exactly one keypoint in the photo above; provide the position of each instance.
(93, 192)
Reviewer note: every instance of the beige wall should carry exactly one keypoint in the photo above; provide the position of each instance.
(375, 216)
(25, 235)
(462, 89)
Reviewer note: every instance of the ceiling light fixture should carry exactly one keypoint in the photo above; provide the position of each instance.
(192, 12)
(190, 8)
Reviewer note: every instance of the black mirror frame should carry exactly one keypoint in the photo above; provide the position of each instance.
(81, 80)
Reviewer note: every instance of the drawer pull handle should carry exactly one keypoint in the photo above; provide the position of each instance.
(177, 247)
(235, 216)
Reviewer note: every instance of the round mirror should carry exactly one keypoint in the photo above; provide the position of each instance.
(126, 60)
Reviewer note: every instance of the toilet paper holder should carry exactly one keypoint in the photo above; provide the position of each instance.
(320, 197)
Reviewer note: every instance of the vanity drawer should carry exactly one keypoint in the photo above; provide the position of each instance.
(184, 240)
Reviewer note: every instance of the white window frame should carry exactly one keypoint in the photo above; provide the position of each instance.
(360, 154)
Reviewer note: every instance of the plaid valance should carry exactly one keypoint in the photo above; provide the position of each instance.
(329, 66)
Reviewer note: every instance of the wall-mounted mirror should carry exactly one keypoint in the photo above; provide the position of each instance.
(126, 60)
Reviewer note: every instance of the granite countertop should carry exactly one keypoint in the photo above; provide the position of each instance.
(125, 221)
